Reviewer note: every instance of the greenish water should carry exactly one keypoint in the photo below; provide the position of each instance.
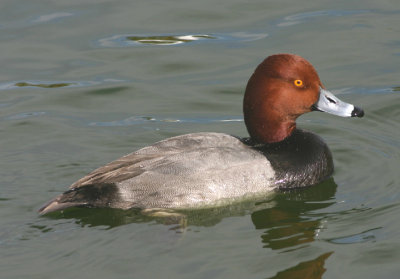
(85, 82)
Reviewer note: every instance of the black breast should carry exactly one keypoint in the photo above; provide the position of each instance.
(302, 159)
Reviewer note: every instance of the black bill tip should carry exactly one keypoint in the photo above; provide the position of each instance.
(357, 112)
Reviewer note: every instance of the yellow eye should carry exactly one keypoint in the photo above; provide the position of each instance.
(298, 82)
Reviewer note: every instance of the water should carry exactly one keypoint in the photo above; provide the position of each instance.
(84, 82)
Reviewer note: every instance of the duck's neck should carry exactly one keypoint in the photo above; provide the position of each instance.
(302, 159)
(263, 131)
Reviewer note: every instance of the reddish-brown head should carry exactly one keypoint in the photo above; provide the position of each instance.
(283, 87)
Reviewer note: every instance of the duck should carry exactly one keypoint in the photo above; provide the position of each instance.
(208, 169)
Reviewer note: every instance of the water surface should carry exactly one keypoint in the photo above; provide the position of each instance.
(83, 83)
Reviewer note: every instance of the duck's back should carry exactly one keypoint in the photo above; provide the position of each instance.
(191, 170)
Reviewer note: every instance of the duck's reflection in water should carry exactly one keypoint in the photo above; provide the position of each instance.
(313, 269)
(289, 219)
(293, 223)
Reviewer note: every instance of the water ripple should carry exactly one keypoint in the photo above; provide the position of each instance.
(52, 84)
(130, 40)
(25, 115)
(124, 40)
(134, 120)
(365, 236)
(168, 40)
(51, 17)
(302, 17)
(42, 85)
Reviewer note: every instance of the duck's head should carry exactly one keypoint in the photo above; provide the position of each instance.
(283, 87)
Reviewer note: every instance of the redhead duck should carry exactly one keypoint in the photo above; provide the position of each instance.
(210, 169)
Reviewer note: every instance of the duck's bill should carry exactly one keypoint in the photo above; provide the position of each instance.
(329, 103)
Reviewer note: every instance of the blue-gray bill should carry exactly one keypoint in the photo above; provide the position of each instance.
(329, 103)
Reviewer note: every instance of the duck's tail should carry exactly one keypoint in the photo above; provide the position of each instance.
(95, 195)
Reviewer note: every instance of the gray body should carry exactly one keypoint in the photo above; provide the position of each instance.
(187, 171)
